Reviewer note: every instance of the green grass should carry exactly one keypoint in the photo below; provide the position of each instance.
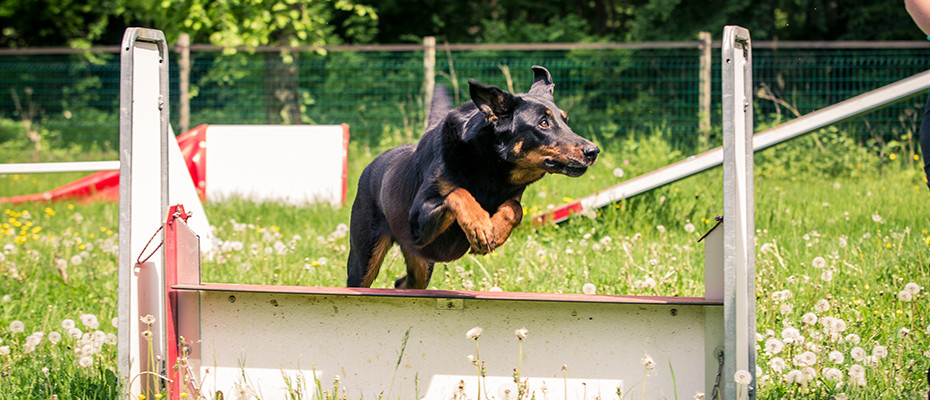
(866, 216)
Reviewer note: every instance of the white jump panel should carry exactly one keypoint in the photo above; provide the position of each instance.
(359, 338)
(295, 164)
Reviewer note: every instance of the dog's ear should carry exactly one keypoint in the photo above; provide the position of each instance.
(542, 82)
(491, 100)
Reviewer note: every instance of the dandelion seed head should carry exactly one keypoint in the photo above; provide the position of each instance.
(822, 306)
(794, 376)
(880, 351)
(836, 357)
(809, 318)
(648, 362)
(832, 374)
(521, 333)
(905, 296)
(777, 364)
(857, 353)
(689, 227)
(618, 172)
(4, 350)
(912, 288)
(17, 327)
(774, 346)
(589, 288)
(742, 377)
(819, 262)
(474, 333)
(147, 319)
(86, 361)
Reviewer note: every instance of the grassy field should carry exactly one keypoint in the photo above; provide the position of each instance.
(843, 247)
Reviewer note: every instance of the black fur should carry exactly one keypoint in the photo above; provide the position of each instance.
(460, 187)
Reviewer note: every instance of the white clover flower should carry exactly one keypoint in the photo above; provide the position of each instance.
(832, 374)
(836, 357)
(774, 346)
(17, 327)
(857, 353)
(689, 227)
(905, 296)
(912, 288)
(880, 351)
(778, 364)
(589, 288)
(474, 333)
(809, 318)
(742, 377)
(819, 262)
(822, 306)
(794, 376)
(521, 333)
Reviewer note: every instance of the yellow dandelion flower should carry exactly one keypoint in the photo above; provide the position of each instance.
(916, 157)
(567, 199)
(892, 156)
(103, 229)
(50, 211)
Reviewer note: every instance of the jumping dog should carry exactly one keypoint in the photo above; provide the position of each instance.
(460, 187)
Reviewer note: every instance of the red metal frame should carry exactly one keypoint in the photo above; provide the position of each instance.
(176, 216)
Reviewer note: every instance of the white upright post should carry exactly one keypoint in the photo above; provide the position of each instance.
(738, 220)
(143, 200)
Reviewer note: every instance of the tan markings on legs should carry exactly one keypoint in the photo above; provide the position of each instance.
(507, 217)
(377, 258)
(418, 272)
(474, 220)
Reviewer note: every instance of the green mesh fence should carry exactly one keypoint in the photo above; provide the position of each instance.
(608, 93)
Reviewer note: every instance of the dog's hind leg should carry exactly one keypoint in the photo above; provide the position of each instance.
(365, 258)
(418, 272)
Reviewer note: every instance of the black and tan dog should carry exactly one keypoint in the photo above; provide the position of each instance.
(460, 187)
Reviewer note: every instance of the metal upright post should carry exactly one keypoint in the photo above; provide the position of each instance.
(143, 183)
(739, 248)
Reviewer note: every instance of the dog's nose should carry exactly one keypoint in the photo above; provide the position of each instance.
(590, 152)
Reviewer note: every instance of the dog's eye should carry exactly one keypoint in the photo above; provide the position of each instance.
(544, 123)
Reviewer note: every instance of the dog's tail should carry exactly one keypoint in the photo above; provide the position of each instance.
(439, 105)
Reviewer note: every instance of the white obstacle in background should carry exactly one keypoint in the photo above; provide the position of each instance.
(296, 164)
(256, 337)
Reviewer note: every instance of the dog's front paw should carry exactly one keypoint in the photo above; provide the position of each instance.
(480, 234)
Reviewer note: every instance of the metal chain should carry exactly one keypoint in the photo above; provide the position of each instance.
(715, 395)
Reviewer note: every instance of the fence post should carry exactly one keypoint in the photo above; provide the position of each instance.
(429, 75)
(184, 75)
(704, 86)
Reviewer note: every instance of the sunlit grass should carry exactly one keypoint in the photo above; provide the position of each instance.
(830, 247)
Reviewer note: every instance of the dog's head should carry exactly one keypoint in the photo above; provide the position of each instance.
(532, 132)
